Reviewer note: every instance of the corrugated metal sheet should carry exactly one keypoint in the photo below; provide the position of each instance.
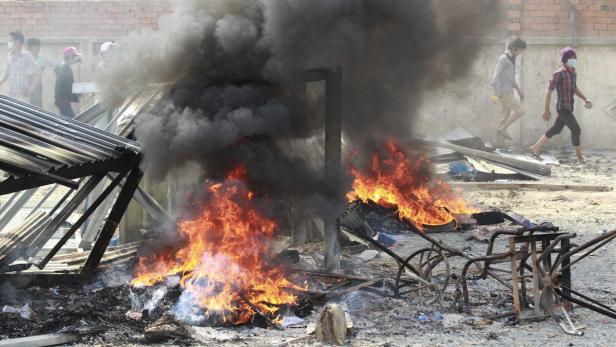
(39, 145)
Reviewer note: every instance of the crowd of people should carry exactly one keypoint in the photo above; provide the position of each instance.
(25, 67)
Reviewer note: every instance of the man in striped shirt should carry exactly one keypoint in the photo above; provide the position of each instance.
(564, 80)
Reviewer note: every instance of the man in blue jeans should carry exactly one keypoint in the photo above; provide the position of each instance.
(64, 82)
(564, 80)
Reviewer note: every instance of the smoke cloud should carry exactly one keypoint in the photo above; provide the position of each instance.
(233, 64)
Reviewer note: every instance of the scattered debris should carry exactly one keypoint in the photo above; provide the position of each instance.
(530, 186)
(166, 328)
(24, 312)
(368, 255)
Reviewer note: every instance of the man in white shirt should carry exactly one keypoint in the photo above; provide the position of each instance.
(503, 82)
(21, 70)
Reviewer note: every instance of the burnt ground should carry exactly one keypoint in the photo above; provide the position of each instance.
(98, 311)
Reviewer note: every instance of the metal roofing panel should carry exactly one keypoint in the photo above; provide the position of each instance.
(79, 129)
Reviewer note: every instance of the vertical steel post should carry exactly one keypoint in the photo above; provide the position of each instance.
(333, 153)
(126, 194)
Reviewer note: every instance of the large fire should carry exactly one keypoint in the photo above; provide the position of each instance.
(223, 264)
(395, 180)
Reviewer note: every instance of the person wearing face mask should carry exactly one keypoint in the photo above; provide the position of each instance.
(504, 84)
(64, 82)
(564, 80)
(21, 69)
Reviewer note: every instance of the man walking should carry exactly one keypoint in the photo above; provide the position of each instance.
(503, 82)
(34, 47)
(564, 80)
(21, 70)
(64, 82)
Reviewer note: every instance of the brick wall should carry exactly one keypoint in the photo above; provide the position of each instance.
(78, 19)
(552, 18)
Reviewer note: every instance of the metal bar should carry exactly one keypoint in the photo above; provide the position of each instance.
(31, 145)
(8, 203)
(16, 207)
(112, 221)
(49, 117)
(589, 299)
(389, 252)
(333, 149)
(465, 268)
(592, 307)
(547, 250)
(601, 244)
(10, 237)
(66, 211)
(92, 225)
(39, 174)
(43, 199)
(582, 247)
(81, 219)
(565, 246)
(63, 199)
(52, 133)
(148, 203)
(93, 112)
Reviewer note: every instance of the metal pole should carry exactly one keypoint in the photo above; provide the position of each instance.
(333, 153)
(112, 222)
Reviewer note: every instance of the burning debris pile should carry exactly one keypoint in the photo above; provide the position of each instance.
(407, 185)
(224, 268)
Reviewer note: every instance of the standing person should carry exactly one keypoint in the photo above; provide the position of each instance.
(564, 80)
(64, 82)
(34, 47)
(21, 70)
(503, 82)
(106, 51)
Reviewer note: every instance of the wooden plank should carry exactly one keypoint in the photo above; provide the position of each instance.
(514, 279)
(536, 290)
(530, 186)
(110, 249)
(39, 340)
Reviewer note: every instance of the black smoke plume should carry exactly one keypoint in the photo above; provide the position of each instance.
(232, 62)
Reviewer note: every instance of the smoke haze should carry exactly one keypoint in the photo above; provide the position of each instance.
(233, 60)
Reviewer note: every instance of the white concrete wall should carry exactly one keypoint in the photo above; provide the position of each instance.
(467, 102)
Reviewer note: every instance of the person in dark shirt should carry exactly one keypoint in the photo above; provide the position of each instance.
(564, 80)
(64, 82)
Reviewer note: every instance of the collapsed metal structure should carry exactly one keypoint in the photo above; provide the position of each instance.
(39, 148)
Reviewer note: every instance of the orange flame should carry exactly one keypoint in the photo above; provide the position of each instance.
(225, 257)
(400, 182)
